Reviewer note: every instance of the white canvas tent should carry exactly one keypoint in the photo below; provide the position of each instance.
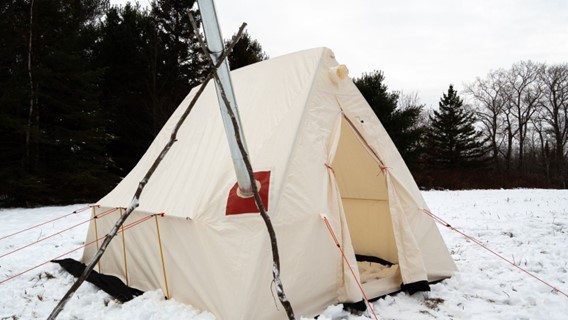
(320, 151)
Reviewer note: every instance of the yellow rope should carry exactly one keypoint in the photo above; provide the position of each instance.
(162, 256)
(124, 251)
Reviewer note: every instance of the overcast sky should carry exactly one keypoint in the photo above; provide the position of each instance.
(420, 45)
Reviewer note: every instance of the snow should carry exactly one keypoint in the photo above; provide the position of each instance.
(526, 226)
(369, 271)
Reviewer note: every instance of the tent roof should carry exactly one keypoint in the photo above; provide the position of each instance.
(198, 166)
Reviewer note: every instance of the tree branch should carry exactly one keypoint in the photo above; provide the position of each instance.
(270, 228)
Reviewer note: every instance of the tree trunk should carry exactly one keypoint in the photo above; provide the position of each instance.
(28, 133)
(521, 125)
(155, 112)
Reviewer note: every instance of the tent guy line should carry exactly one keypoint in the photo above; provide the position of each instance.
(126, 227)
(500, 256)
(53, 234)
(45, 222)
(334, 237)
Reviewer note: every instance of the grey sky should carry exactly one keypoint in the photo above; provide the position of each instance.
(420, 45)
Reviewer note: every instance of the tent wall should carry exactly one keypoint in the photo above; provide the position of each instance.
(225, 268)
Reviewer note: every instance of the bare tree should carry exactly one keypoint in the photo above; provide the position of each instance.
(489, 95)
(412, 100)
(406, 100)
(524, 94)
(541, 130)
(524, 113)
(554, 105)
(510, 131)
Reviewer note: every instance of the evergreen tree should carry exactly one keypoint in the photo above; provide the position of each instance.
(177, 62)
(402, 124)
(14, 88)
(84, 88)
(54, 117)
(124, 52)
(151, 60)
(452, 140)
(246, 51)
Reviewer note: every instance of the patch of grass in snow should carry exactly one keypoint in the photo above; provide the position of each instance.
(508, 234)
(426, 312)
(46, 275)
(433, 303)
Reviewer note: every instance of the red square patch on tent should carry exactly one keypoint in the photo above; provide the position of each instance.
(239, 205)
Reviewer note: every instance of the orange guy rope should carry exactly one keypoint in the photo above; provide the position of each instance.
(133, 224)
(44, 238)
(332, 233)
(43, 223)
(481, 244)
(327, 165)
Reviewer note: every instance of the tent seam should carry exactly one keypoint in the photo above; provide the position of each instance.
(300, 125)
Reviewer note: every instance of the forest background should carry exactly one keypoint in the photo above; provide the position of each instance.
(86, 86)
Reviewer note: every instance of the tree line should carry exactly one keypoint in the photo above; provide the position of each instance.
(86, 86)
(84, 89)
(523, 113)
(442, 148)
(511, 132)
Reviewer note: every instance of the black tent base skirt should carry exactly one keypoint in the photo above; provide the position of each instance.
(411, 288)
(109, 284)
(123, 293)
(414, 287)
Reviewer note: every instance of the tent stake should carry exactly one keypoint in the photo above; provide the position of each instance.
(239, 140)
(135, 200)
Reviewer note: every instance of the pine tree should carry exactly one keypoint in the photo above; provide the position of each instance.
(124, 52)
(177, 55)
(400, 123)
(56, 150)
(151, 60)
(246, 51)
(452, 140)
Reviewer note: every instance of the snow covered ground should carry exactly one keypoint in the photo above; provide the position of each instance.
(527, 226)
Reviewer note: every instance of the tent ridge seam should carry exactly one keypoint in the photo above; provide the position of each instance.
(301, 123)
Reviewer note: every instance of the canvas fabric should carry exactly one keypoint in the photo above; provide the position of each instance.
(301, 125)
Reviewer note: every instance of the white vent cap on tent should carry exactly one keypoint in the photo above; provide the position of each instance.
(338, 73)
